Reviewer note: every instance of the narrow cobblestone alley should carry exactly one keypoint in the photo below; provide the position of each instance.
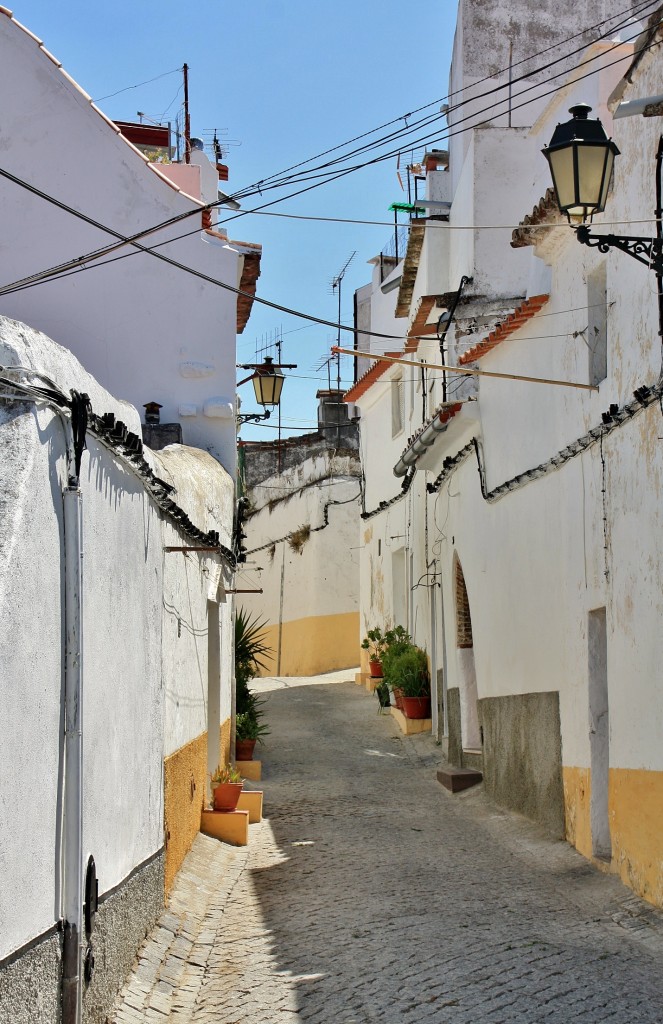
(368, 893)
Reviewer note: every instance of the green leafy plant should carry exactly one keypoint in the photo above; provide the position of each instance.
(249, 727)
(380, 643)
(398, 641)
(408, 672)
(224, 773)
(250, 650)
(375, 643)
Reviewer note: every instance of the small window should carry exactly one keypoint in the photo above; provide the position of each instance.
(597, 320)
(397, 406)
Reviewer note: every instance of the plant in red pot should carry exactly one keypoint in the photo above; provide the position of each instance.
(226, 788)
(375, 643)
(409, 674)
(249, 730)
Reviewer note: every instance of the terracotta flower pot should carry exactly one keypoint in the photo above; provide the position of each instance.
(375, 669)
(416, 707)
(398, 697)
(244, 749)
(226, 796)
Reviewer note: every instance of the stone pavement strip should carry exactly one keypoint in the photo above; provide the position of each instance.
(369, 893)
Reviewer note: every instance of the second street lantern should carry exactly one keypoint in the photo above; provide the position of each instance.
(268, 383)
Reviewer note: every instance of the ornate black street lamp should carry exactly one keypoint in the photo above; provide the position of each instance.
(581, 158)
(267, 384)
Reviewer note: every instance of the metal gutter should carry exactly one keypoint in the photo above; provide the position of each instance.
(427, 438)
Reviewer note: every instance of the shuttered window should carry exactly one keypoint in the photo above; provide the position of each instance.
(397, 406)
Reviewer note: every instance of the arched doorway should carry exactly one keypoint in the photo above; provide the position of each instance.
(467, 679)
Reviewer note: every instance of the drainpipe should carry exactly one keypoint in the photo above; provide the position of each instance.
(72, 987)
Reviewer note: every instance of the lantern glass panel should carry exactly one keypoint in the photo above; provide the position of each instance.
(609, 163)
(562, 166)
(591, 172)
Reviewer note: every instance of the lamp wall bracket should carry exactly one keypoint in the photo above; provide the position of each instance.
(648, 251)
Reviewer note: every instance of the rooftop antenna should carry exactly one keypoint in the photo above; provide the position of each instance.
(337, 283)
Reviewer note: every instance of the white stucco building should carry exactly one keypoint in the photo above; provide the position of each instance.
(154, 677)
(523, 552)
(302, 543)
(149, 331)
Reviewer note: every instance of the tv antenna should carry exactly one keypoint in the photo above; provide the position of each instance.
(337, 283)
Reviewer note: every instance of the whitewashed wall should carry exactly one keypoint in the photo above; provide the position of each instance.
(128, 587)
(321, 578)
(147, 331)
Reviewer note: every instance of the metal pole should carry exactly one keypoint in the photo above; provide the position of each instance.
(187, 123)
(278, 656)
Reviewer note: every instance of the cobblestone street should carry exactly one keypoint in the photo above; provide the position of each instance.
(369, 893)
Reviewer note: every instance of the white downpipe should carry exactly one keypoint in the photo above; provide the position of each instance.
(72, 986)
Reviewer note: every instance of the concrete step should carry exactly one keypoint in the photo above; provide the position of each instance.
(457, 779)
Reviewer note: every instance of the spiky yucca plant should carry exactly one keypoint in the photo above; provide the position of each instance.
(250, 649)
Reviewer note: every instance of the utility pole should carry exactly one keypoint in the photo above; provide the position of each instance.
(187, 122)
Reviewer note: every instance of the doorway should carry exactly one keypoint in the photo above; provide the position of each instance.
(469, 711)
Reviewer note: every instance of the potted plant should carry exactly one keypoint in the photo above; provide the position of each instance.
(397, 641)
(226, 787)
(375, 643)
(250, 650)
(248, 731)
(383, 695)
(409, 673)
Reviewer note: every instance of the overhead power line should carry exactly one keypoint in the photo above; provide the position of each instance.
(64, 269)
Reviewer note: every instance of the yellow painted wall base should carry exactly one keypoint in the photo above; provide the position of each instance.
(251, 800)
(411, 726)
(314, 645)
(229, 826)
(635, 808)
(250, 770)
(185, 779)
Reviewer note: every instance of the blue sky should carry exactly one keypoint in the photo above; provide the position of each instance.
(286, 79)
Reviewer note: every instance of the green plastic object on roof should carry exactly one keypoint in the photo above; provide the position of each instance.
(406, 208)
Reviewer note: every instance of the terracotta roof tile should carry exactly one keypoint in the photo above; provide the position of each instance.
(545, 212)
(372, 374)
(520, 316)
(250, 275)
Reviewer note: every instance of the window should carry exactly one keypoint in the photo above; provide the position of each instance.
(397, 406)
(597, 319)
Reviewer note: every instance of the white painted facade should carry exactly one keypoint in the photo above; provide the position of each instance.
(138, 324)
(145, 681)
(552, 556)
(310, 587)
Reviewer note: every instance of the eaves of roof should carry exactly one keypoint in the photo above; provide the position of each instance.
(153, 167)
(419, 327)
(410, 267)
(420, 442)
(546, 212)
(520, 316)
(250, 275)
(377, 370)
